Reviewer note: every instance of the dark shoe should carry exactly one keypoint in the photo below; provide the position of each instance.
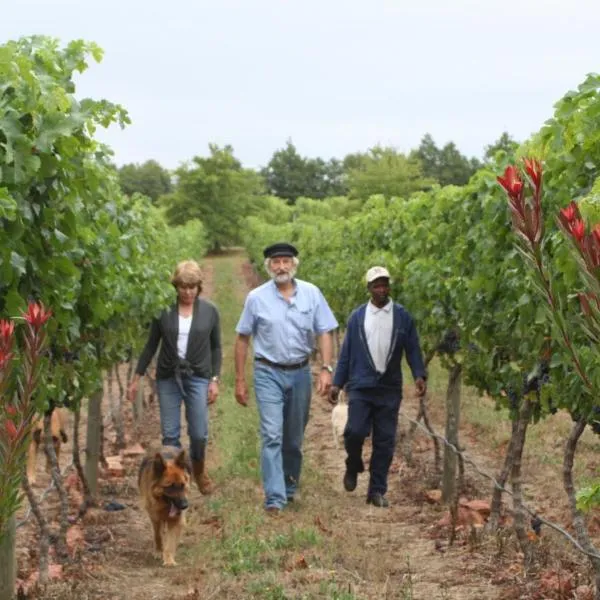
(377, 499)
(290, 499)
(273, 511)
(350, 479)
(112, 506)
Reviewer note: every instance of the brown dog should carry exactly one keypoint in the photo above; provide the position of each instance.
(59, 437)
(164, 482)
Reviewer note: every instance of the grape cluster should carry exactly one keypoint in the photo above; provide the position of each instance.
(534, 381)
(450, 343)
(595, 420)
(62, 355)
(513, 399)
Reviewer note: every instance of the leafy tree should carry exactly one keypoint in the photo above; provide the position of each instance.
(335, 174)
(218, 191)
(149, 179)
(353, 160)
(446, 165)
(456, 168)
(290, 176)
(286, 174)
(388, 172)
(504, 143)
(429, 155)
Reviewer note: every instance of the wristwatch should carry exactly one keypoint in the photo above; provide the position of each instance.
(215, 378)
(327, 368)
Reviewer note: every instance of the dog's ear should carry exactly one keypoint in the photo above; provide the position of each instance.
(63, 436)
(182, 462)
(159, 465)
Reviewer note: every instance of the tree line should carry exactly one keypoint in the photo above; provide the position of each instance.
(221, 192)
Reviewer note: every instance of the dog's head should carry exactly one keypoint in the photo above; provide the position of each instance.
(171, 480)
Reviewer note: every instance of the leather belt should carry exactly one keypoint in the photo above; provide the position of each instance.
(265, 361)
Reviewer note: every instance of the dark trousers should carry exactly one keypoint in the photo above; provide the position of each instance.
(373, 410)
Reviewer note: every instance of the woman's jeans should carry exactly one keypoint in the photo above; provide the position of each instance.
(283, 399)
(195, 396)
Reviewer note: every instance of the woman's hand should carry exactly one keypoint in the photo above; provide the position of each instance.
(213, 392)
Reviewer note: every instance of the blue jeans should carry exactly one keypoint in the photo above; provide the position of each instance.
(170, 398)
(283, 399)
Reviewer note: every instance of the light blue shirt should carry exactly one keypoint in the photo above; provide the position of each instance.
(284, 331)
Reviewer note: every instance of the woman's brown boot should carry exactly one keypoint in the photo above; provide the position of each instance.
(202, 480)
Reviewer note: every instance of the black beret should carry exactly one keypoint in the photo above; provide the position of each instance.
(280, 249)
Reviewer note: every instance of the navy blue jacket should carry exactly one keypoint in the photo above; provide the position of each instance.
(355, 368)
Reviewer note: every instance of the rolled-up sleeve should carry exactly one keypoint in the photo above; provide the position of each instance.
(324, 320)
(245, 325)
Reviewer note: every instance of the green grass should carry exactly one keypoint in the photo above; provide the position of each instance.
(266, 589)
(234, 427)
(248, 550)
(335, 591)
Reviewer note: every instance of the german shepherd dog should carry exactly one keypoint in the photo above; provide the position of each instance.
(59, 437)
(164, 482)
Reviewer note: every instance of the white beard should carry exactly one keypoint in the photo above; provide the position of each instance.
(283, 277)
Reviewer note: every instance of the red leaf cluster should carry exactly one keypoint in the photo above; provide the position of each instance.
(526, 214)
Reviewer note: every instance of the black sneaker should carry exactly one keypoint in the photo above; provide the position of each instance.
(377, 499)
(350, 480)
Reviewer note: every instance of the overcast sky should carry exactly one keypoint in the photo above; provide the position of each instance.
(335, 76)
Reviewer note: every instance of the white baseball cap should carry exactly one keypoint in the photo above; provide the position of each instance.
(376, 272)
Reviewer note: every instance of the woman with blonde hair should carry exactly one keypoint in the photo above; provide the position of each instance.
(188, 366)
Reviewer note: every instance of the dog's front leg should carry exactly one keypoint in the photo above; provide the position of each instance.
(31, 460)
(158, 543)
(172, 534)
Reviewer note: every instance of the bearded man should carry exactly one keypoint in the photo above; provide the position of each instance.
(285, 316)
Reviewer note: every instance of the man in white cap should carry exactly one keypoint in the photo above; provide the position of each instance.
(378, 334)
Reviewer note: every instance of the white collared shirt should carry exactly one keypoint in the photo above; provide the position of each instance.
(378, 328)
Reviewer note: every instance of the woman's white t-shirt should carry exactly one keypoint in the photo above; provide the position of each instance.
(185, 324)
